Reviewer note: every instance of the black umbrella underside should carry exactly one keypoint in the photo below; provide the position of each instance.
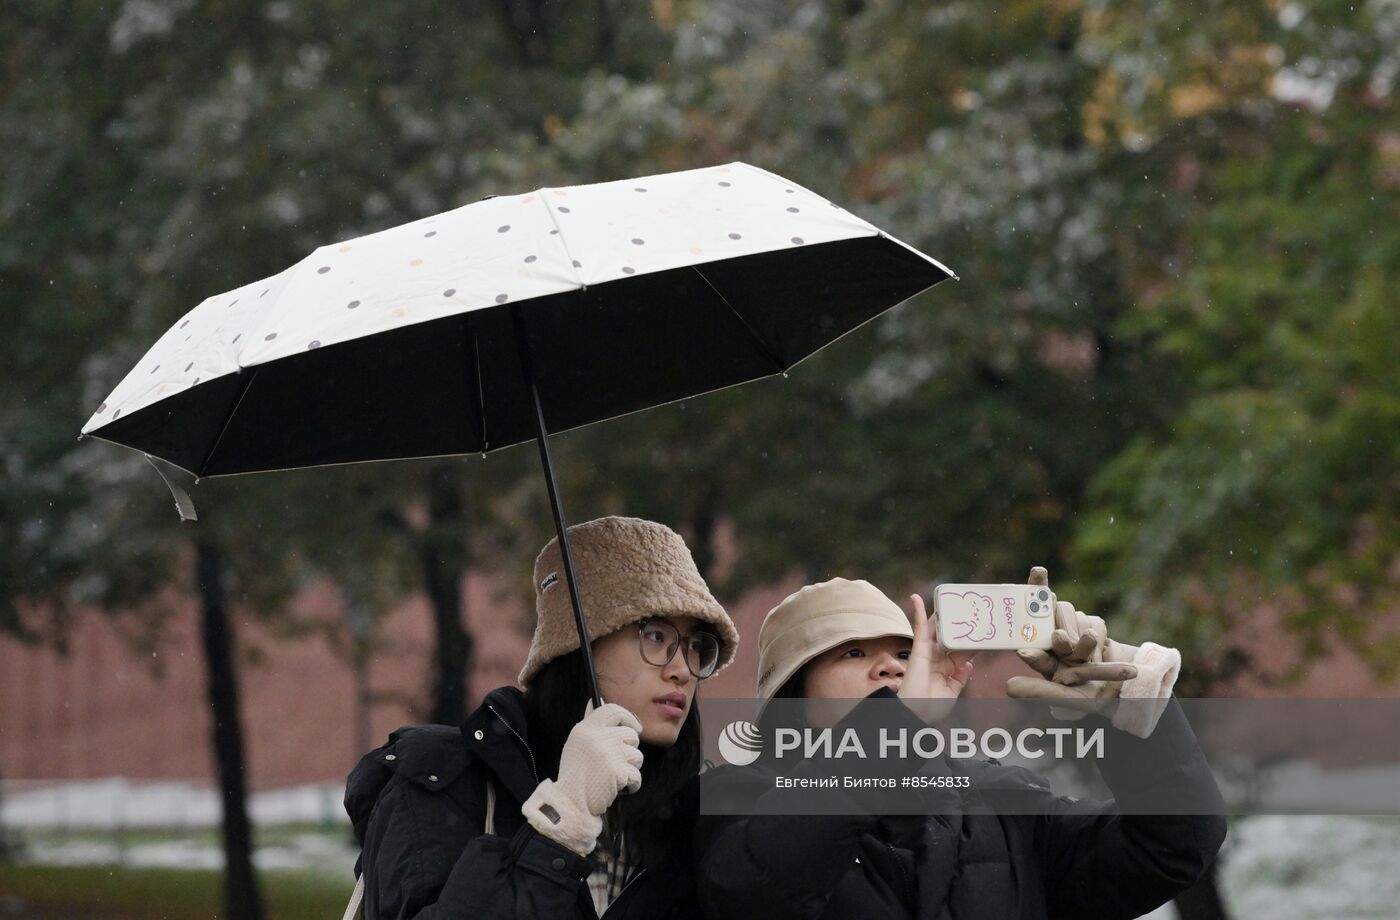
(455, 385)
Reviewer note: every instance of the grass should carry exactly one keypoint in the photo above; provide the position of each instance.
(115, 893)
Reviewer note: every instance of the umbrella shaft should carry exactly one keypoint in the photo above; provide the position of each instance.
(542, 438)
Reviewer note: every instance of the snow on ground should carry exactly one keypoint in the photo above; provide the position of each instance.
(1285, 867)
(145, 825)
(117, 803)
(322, 853)
(1306, 866)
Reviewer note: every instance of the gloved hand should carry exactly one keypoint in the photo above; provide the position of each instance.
(600, 759)
(1086, 670)
(1074, 673)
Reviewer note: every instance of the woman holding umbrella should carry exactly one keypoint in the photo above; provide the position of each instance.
(519, 812)
(844, 640)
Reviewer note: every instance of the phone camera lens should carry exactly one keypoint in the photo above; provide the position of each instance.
(1035, 606)
(1045, 595)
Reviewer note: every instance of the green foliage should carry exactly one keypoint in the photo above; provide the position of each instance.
(1168, 371)
(1278, 470)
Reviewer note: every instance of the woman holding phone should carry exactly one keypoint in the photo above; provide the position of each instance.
(845, 640)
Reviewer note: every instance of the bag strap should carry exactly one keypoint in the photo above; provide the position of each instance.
(490, 825)
(354, 906)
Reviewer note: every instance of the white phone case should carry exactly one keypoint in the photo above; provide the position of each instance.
(975, 617)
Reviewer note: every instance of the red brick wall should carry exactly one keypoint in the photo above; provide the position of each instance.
(101, 710)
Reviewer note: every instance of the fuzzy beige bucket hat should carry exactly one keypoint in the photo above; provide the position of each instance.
(627, 569)
(818, 618)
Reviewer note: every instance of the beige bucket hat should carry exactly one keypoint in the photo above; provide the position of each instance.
(818, 618)
(627, 569)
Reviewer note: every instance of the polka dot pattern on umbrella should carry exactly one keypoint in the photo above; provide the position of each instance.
(508, 249)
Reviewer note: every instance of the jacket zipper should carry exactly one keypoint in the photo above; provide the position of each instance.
(904, 876)
(618, 899)
(528, 753)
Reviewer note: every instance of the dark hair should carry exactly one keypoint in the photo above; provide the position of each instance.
(794, 688)
(554, 703)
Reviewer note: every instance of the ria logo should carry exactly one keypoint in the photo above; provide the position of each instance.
(740, 743)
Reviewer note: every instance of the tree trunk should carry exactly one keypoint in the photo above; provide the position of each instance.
(359, 621)
(363, 700)
(242, 900)
(1202, 901)
(444, 560)
(704, 521)
(5, 848)
(527, 24)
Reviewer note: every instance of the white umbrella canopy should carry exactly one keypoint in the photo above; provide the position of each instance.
(407, 342)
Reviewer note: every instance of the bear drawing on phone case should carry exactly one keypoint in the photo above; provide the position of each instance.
(974, 615)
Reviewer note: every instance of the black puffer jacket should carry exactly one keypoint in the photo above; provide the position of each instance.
(418, 805)
(1069, 860)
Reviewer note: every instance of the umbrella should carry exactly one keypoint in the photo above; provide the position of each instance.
(505, 320)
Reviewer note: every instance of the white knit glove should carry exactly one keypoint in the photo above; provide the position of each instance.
(1157, 670)
(599, 759)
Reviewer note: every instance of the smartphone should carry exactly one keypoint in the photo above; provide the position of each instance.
(975, 617)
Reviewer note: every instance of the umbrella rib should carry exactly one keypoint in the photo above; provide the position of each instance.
(227, 419)
(768, 351)
(559, 232)
(480, 391)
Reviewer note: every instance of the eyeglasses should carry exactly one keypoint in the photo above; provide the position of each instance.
(660, 640)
